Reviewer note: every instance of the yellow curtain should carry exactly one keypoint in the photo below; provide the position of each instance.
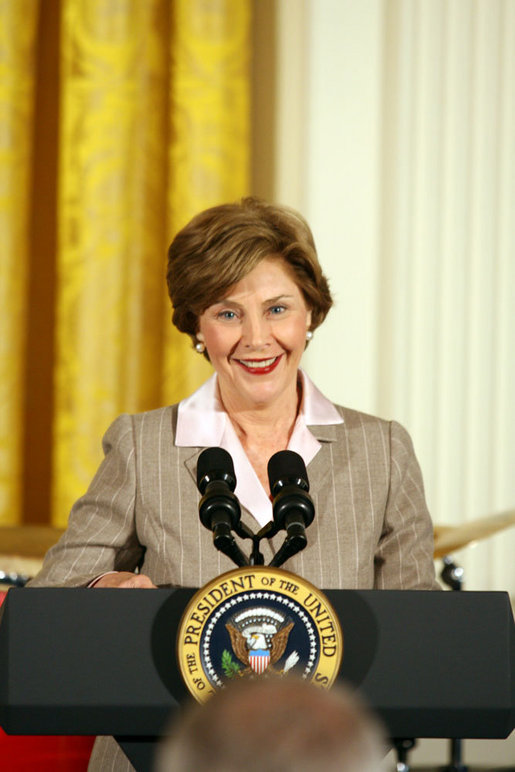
(111, 227)
(153, 125)
(18, 23)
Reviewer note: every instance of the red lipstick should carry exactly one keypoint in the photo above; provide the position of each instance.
(261, 369)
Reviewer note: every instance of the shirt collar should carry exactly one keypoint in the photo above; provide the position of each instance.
(201, 418)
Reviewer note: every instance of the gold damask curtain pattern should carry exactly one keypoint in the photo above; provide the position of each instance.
(153, 104)
(18, 22)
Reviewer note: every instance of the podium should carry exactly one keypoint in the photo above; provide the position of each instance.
(77, 661)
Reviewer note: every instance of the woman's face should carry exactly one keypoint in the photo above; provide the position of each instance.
(255, 336)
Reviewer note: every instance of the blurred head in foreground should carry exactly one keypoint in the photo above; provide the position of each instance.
(275, 726)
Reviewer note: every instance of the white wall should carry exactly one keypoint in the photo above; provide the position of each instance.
(395, 136)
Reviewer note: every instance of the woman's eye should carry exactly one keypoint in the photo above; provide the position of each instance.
(226, 315)
(275, 310)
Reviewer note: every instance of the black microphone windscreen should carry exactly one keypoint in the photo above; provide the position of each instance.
(287, 467)
(215, 464)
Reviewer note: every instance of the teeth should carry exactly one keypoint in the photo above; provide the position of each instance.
(260, 363)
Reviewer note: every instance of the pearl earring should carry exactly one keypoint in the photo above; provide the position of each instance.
(200, 347)
(309, 334)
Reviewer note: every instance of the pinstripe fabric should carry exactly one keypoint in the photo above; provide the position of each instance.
(371, 530)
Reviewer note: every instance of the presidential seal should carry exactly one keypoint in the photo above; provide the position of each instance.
(257, 622)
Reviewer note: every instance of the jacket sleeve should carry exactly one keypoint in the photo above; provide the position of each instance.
(101, 534)
(404, 557)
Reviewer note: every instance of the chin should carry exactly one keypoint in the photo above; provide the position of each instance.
(265, 394)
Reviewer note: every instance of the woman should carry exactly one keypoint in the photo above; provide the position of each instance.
(246, 285)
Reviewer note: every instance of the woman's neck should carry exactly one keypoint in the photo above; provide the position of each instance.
(257, 423)
(264, 430)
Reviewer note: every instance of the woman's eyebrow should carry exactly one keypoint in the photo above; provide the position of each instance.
(230, 302)
(277, 299)
(226, 302)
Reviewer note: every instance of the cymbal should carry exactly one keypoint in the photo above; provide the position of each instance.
(29, 541)
(451, 538)
(18, 566)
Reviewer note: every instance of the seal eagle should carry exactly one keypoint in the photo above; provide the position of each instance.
(243, 644)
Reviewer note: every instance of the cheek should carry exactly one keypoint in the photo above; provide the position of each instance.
(294, 337)
(219, 341)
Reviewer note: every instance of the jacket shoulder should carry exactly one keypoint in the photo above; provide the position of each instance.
(155, 417)
(354, 418)
(130, 428)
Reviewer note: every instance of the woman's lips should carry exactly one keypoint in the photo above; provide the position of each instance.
(259, 366)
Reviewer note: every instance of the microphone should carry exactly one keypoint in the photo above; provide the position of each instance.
(219, 509)
(293, 507)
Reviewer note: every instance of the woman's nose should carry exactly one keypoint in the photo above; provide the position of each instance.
(256, 332)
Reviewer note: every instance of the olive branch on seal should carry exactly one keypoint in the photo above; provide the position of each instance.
(229, 666)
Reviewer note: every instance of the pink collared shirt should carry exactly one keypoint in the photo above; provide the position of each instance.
(203, 422)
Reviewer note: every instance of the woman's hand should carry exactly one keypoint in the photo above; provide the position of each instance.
(125, 580)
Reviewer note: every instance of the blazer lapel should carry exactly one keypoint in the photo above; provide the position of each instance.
(320, 467)
(191, 456)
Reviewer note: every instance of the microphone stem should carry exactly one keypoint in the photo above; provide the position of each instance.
(256, 557)
(224, 542)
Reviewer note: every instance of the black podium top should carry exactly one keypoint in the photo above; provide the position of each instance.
(76, 661)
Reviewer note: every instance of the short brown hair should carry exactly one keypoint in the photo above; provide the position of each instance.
(221, 245)
(275, 724)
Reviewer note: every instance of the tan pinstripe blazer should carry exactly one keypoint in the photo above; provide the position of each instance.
(371, 529)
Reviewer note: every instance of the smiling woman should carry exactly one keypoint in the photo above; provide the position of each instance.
(247, 287)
